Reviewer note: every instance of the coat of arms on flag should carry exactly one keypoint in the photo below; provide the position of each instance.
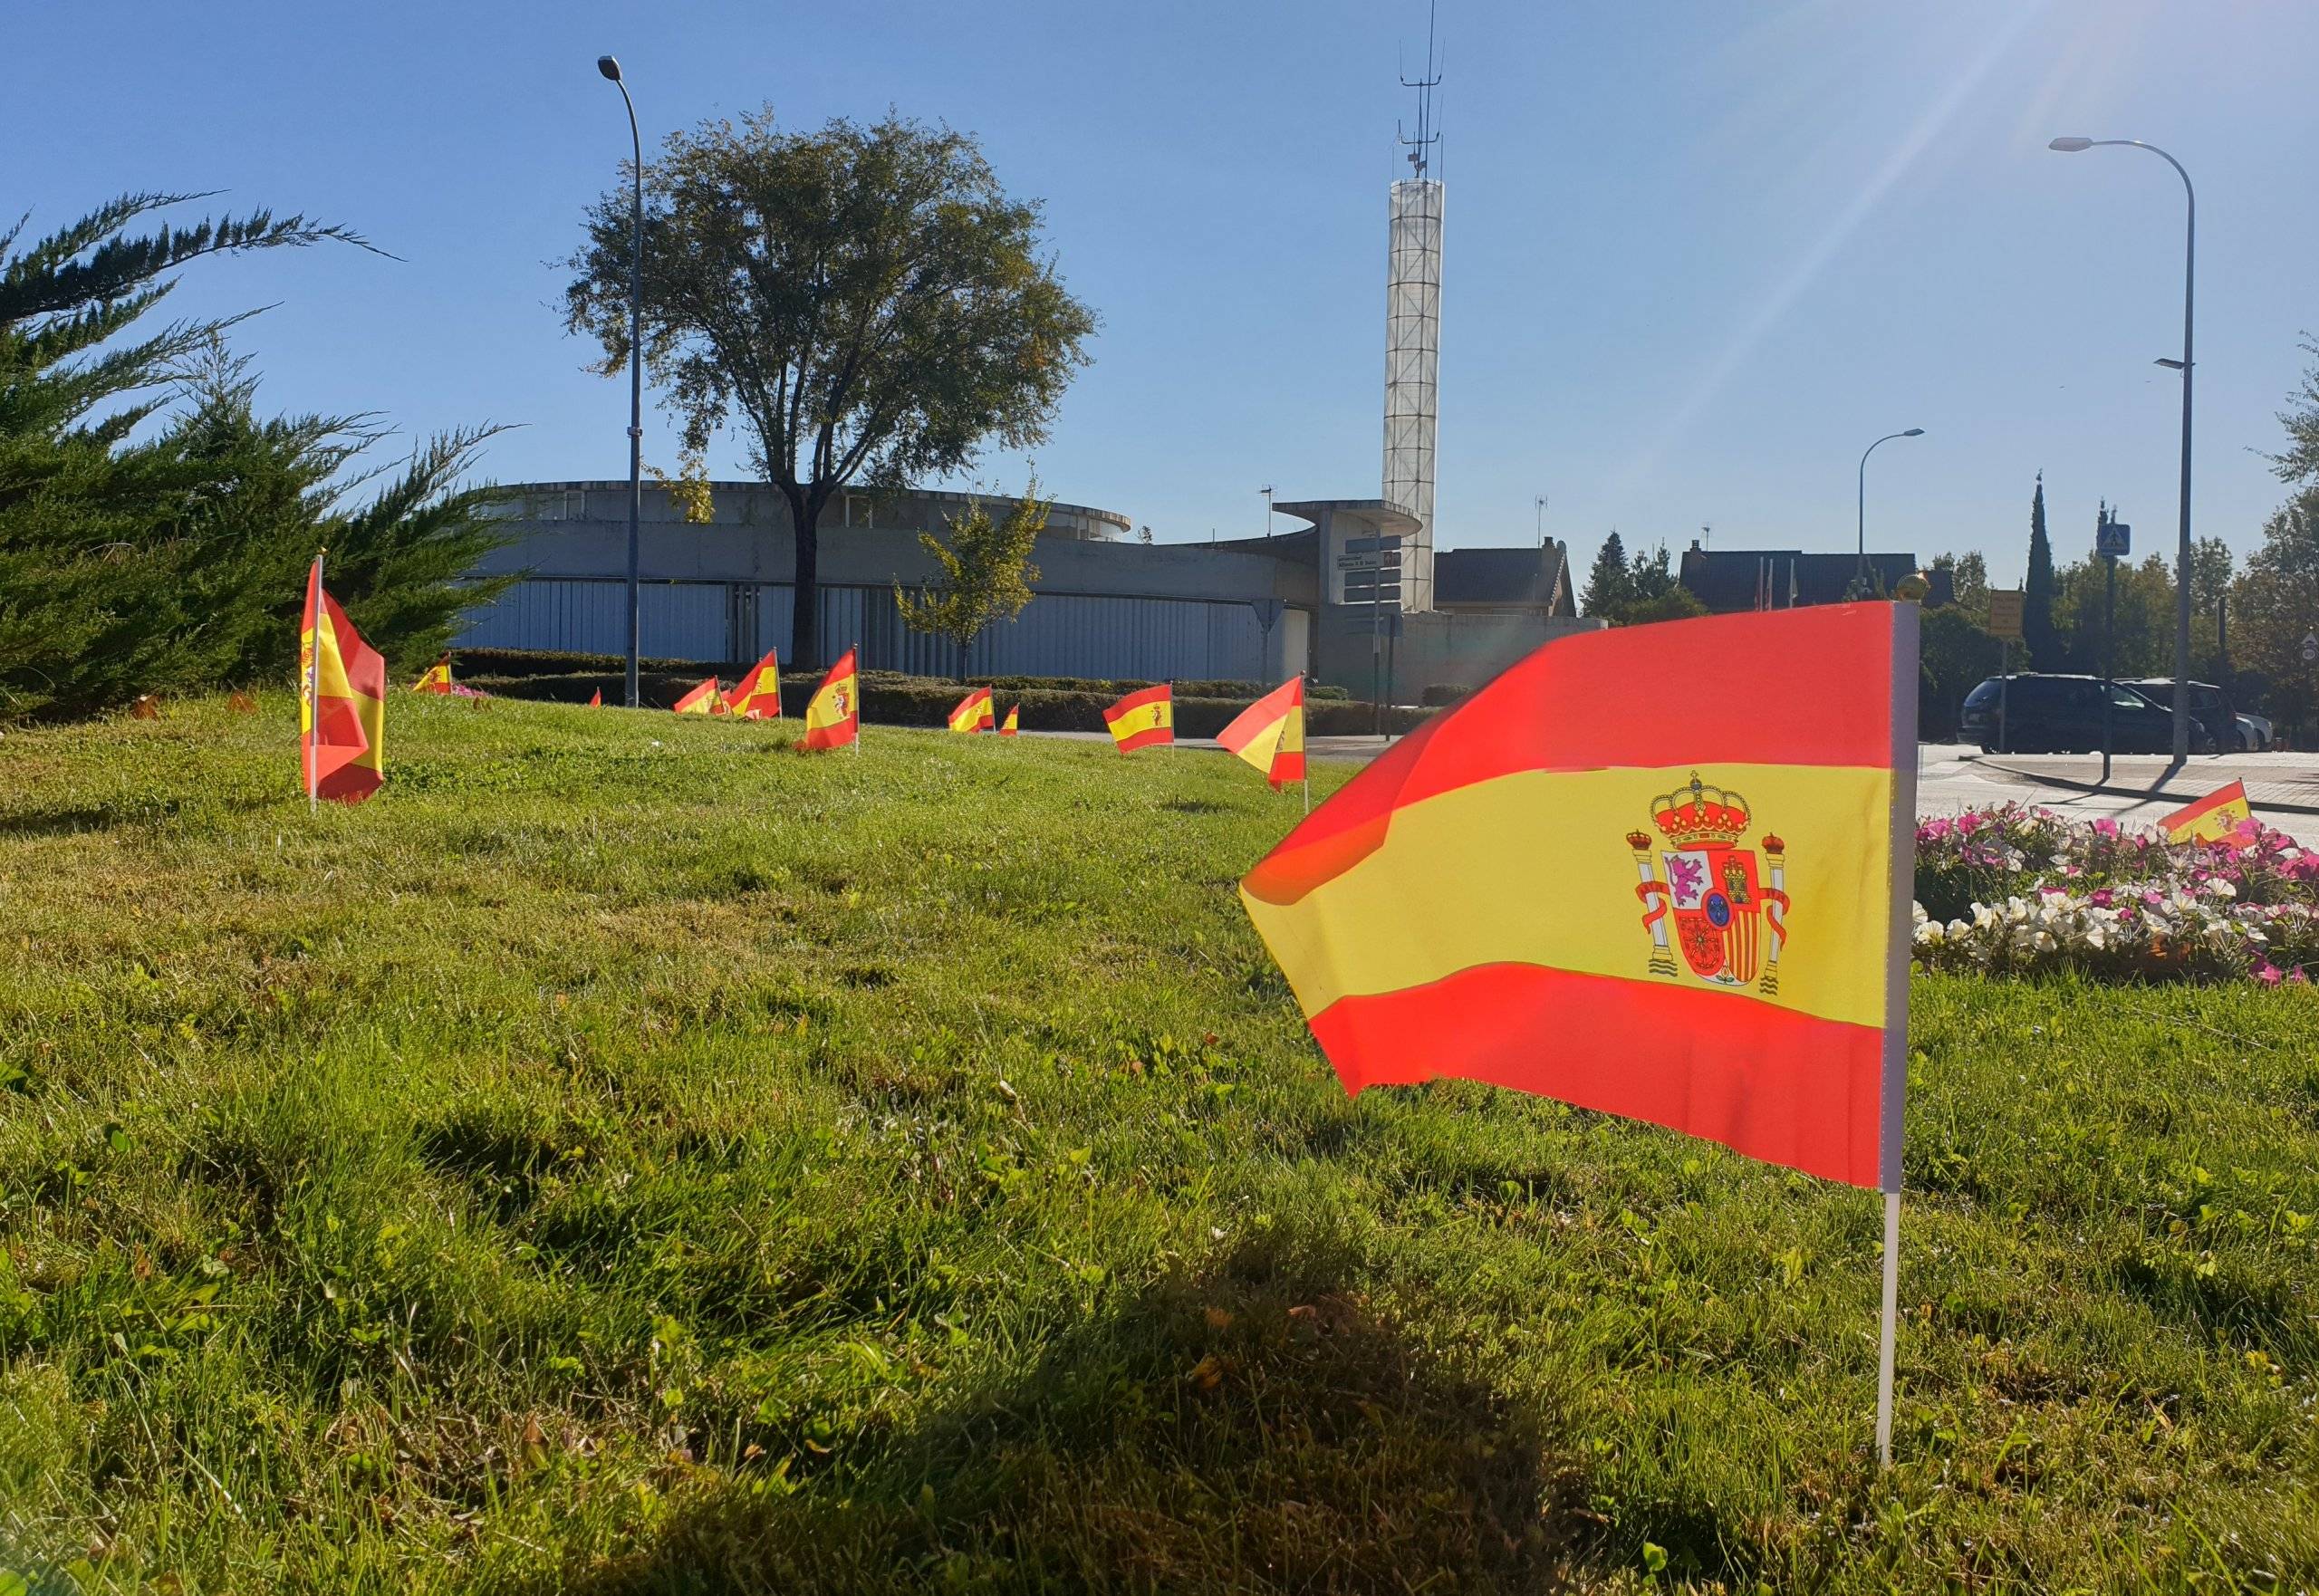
(1730, 912)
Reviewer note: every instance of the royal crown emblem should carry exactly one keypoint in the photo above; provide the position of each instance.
(1729, 912)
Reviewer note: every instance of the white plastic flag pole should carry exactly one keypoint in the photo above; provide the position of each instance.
(1885, 1345)
(314, 685)
(1900, 939)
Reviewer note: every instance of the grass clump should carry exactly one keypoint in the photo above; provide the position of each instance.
(627, 1156)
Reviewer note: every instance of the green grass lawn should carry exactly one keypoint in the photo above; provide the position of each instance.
(628, 1155)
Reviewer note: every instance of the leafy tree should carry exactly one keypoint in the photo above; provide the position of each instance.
(169, 560)
(1955, 656)
(2300, 462)
(1968, 581)
(861, 300)
(2274, 604)
(987, 568)
(2212, 566)
(1676, 603)
(2145, 638)
(1608, 585)
(1652, 593)
(1650, 576)
(2038, 637)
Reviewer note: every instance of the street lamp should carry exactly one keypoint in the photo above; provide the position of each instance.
(609, 67)
(1860, 574)
(2182, 555)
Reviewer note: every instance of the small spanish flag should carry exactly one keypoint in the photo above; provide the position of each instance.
(1591, 882)
(1269, 734)
(973, 713)
(758, 696)
(436, 679)
(1143, 718)
(341, 701)
(2212, 818)
(596, 699)
(702, 699)
(1013, 725)
(834, 716)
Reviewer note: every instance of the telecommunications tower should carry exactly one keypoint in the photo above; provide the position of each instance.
(1413, 336)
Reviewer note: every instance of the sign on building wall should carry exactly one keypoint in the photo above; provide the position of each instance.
(1367, 573)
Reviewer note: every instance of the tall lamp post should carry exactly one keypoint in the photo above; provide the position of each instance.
(1860, 574)
(2183, 556)
(609, 67)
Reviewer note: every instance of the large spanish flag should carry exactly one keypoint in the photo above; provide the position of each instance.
(973, 713)
(1661, 871)
(341, 701)
(2212, 818)
(1143, 718)
(701, 698)
(1269, 734)
(757, 696)
(834, 716)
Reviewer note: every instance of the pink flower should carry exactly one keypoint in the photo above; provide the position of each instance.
(2106, 826)
(2101, 896)
(2268, 973)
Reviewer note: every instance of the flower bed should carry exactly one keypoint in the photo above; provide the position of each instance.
(2017, 889)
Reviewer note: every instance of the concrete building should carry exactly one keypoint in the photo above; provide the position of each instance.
(1327, 600)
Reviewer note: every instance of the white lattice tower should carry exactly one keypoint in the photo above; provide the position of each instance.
(1412, 372)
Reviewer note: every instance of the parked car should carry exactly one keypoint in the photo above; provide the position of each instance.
(2211, 708)
(2253, 733)
(2064, 715)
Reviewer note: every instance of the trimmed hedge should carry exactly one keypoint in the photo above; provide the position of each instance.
(1248, 692)
(891, 698)
(512, 663)
(507, 663)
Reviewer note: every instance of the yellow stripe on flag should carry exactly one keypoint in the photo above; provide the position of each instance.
(1535, 869)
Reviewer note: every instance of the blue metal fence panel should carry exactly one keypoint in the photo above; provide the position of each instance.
(582, 617)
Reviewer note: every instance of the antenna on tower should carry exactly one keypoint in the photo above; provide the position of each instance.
(1420, 148)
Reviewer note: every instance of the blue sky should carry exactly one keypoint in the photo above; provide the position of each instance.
(1699, 253)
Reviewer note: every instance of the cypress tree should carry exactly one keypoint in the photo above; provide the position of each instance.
(2037, 633)
(1609, 585)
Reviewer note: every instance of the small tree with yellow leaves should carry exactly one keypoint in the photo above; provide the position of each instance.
(987, 570)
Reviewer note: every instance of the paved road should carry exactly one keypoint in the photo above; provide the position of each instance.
(2283, 788)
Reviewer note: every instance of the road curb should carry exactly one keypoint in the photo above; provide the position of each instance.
(2146, 794)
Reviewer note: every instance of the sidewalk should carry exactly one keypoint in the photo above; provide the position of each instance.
(2287, 782)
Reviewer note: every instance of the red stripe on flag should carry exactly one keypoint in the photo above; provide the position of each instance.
(1821, 695)
(1145, 739)
(1775, 1084)
(2200, 808)
(1137, 701)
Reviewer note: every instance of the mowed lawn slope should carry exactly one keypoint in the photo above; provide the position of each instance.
(628, 1155)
